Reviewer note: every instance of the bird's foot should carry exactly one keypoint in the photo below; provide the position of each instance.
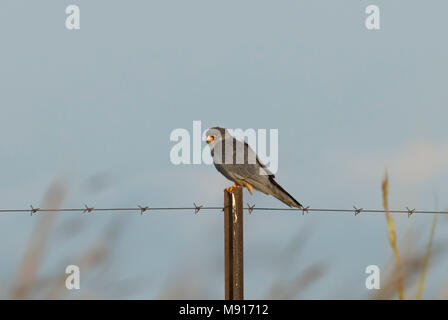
(230, 189)
(248, 186)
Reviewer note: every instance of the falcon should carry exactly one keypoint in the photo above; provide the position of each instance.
(239, 163)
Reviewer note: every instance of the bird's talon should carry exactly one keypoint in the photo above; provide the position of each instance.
(230, 189)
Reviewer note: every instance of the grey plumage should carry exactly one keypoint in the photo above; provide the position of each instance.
(238, 162)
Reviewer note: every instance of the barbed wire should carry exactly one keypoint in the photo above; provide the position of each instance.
(197, 208)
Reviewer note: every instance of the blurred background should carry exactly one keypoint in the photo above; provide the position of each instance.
(86, 117)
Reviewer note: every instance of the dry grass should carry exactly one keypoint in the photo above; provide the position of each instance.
(290, 283)
(30, 284)
(426, 258)
(393, 237)
(29, 267)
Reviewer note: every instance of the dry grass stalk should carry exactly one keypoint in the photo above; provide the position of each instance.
(411, 265)
(426, 259)
(29, 284)
(393, 237)
(28, 269)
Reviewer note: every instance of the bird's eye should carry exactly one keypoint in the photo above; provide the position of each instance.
(210, 139)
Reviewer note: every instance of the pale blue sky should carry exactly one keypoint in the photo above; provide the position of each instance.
(347, 102)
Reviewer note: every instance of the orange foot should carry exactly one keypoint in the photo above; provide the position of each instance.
(230, 189)
(248, 186)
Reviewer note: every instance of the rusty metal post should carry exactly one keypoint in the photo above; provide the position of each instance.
(233, 244)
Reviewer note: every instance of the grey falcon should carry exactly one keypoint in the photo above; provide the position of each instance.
(239, 163)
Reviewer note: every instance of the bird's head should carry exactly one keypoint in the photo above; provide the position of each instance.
(215, 135)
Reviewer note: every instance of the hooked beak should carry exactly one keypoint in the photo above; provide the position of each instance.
(209, 139)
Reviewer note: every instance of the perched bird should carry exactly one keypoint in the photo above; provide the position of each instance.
(238, 162)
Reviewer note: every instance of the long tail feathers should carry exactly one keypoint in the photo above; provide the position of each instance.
(283, 196)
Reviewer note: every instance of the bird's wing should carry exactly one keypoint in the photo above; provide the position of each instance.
(248, 150)
(259, 177)
(237, 161)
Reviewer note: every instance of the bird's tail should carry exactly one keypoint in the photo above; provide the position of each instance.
(283, 196)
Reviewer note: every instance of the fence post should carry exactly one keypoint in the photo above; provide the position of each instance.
(233, 244)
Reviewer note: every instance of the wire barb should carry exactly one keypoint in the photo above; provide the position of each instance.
(197, 208)
(357, 211)
(305, 209)
(87, 209)
(250, 208)
(143, 209)
(410, 212)
(33, 210)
